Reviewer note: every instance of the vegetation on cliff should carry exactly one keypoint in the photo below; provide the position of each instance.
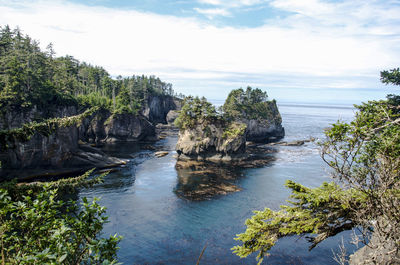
(246, 115)
(196, 111)
(30, 77)
(37, 227)
(45, 128)
(204, 132)
(251, 104)
(199, 112)
(364, 157)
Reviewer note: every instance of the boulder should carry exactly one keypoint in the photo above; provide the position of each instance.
(160, 153)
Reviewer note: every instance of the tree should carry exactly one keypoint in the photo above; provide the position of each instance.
(391, 76)
(36, 227)
(250, 104)
(196, 111)
(32, 78)
(364, 156)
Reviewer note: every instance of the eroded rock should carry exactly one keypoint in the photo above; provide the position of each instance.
(210, 143)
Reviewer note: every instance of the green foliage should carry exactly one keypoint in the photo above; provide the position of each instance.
(324, 211)
(125, 103)
(94, 99)
(38, 228)
(26, 73)
(196, 111)
(63, 185)
(391, 76)
(31, 78)
(45, 128)
(250, 104)
(364, 158)
(234, 130)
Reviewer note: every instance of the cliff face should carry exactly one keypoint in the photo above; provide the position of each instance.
(211, 142)
(106, 127)
(157, 108)
(265, 130)
(65, 146)
(54, 144)
(52, 150)
(15, 118)
(124, 127)
(252, 107)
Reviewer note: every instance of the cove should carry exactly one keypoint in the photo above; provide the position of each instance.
(149, 201)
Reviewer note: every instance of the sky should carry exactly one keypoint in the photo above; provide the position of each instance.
(322, 51)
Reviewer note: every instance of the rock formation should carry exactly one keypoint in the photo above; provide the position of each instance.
(208, 135)
(157, 107)
(65, 147)
(262, 117)
(52, 145)
(212, 142)
(265, 129)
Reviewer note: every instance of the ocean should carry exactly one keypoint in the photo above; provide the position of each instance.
(147, 201)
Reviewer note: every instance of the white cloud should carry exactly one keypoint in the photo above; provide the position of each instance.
(210, 2)
(231, 3)
(224, 7)
(212, 12)
(321, 44)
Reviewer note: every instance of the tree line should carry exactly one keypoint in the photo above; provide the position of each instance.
(31, 77)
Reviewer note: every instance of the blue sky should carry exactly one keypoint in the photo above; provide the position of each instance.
(220, 13)
(296, 50)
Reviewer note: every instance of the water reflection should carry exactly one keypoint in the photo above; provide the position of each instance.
(202, 181)
(127, 149)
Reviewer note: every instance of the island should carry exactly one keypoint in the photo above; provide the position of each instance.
(208, 134)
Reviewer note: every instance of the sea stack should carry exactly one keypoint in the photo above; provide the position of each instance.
(261, 116)
(206, 136)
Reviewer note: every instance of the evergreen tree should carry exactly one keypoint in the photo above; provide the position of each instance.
(364, 158)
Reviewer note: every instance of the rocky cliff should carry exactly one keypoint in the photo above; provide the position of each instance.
(156, 108)
(62, 147)
(212, 142)
(252, 107)
(260, 129)
(51, 145)
(205, 135)
(208, 135)
(104, 126)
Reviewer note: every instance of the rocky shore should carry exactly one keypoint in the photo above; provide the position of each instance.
(73, 147)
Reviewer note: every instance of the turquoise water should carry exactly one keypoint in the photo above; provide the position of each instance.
(146, 202)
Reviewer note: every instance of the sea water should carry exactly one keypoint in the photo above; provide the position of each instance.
(146, 201)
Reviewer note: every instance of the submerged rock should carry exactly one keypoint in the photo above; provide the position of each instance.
(161, 153)
(294, 143)
(203, 181)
